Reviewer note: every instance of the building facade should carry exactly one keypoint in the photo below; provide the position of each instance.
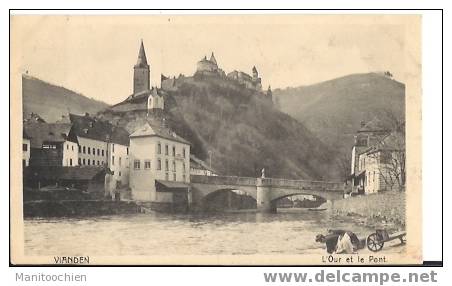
(104, 145)
(377, 161)
(26, 143)
(158, 157)
(51, 144)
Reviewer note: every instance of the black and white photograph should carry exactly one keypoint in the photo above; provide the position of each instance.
(216, 139)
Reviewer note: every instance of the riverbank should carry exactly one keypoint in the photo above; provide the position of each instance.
(385, 209)
(78, 208)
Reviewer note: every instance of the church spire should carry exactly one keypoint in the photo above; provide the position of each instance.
(142, 61)
(141, 72)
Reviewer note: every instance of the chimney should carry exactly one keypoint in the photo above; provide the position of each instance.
(86, 114)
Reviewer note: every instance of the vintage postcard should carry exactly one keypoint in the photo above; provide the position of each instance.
(215, 139)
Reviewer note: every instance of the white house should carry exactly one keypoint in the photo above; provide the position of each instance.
(102, 144)
(159, 166)
(383, 165)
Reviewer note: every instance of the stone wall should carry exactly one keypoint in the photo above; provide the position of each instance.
(385, 206)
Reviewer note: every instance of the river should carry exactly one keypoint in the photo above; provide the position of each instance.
(290, 231)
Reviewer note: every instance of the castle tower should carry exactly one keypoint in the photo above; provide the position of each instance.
(141, 72)
(213, 60)
(255, 73)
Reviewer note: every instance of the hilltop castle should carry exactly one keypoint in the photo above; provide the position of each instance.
(209, 67)
(147, 98)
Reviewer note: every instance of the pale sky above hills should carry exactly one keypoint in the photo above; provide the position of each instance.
(94, 55)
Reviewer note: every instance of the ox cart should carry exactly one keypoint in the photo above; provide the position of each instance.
(376, 240)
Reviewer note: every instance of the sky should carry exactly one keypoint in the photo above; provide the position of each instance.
(94, 55)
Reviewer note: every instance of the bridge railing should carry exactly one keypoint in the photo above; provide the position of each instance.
(285, 183)
(223, 180)
(304, 183)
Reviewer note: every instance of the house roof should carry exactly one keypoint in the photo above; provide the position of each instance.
(197, 163)
(93, 128)
(374, 125)
(171, 185)
(33, 117)
(46, 132)
(82, 173)
(391, 142)
(146, 130)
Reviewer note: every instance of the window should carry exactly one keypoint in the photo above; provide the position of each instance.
(98, 152)
(167, 176)
(72, 147)
(183, 177)
(166, 149)
(136, 164)
(119, 161)
(159, 164)
(166, 165)
(174, 151)
(102, 163)
(24, 147)
(67, 147)
(183, 152)
(84, 149)
(159, 148)
(79, 149)
(88, 162)
(174, 166)
(127, 150)
(183, 167)
(70, 162)
(147, 164)
(79, 161)
(113, 148)
(84, 162)
(89, 150)
(102, 152)
(119, 173)
(174, 176)
(112, 160)
(48, 146)
(98, 162)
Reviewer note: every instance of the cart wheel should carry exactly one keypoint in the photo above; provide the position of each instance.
(403, 239)
(373, 244)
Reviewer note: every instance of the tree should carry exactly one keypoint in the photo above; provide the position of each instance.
(344, 166)
(390, 153)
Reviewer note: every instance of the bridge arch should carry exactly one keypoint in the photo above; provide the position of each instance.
(227, 199)
(296, 194)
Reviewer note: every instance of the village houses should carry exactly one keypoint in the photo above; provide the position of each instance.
(153, 162)
(378, 160)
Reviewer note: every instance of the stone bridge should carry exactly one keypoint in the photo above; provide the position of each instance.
(266, 191)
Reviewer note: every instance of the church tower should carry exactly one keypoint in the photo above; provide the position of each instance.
(141, 72)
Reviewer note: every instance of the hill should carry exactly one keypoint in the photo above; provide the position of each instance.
(334, 109)
(51, 101)
(243, 132)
